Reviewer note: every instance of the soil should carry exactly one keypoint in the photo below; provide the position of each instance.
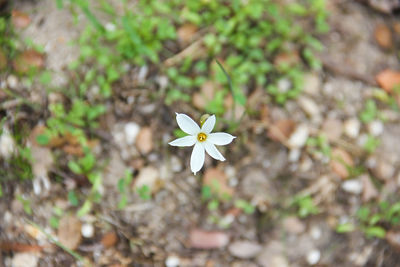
(266, 173)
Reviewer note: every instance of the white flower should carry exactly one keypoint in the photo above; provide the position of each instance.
(202, 139)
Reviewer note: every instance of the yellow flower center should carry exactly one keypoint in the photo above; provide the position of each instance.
(201, 137)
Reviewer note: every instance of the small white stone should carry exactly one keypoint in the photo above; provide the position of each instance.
(25, 259)
(12, 81)
(294, 155)
(354, 186)
(309, 106)
(131, 132)
(375, 128)
(299, 137)
(284, 85)
(87, 230)
(110, 27)
(312, 84)
(7, 218)
(313, 256)
(352, 127)
(176, 164)
(7, 144)
(172, 261)
(315, 232)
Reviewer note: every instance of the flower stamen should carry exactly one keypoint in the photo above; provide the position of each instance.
(201, 137)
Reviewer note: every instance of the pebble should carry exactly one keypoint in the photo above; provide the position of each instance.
(309, 106)
(375, 128)
(332, 128)
(293, 225)
(25, 260)
(12, 81)
(305, 164)
(144, 140)
(369, 189)
(148, 176)
(7, 144)
(176, 164)
(244, 249)
(383, 170)
(312, 84)
(87, 230)
(354, 186)
(284, 85)
(341, 160)
(69, 232)
(172, 261)
(294, 155)
(352, 127)
(313, 256)
(131, 132)
(315, 232)
(272, 255)
(207, 240)
(299, 137)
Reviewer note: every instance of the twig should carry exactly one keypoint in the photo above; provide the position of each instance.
(70, 251)
(193, 50)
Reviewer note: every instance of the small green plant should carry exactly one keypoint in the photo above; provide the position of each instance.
(319, 144)
(371, 144)
(305, 206)
(144, 192)
(374, 219)
(54, 220)
(370, 112)
(26, 204)
(244, 205)
(123, 188)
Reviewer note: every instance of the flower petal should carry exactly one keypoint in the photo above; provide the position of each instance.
(208, 124)
(197, 158)
(213, 151)
(189, 140)
(220, 139)
(187, 124)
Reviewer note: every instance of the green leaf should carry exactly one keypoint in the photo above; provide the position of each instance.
(72, 198)
(87, 206)
(345, 228)
(42, 139)
(123, 202)
(74, 167)
(54, 222)
(375, 231)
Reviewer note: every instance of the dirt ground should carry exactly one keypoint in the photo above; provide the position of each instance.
(164, 230)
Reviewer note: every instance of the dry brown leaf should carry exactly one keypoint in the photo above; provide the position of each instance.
(217, 180)
(186, 32)
(281, 130)
(69, 231)
(109, 239)
(20, 19)
(206, 94)
(369, 189)
(144, 140)
(383, 36)
(340, 162)
(396, 27)
(388, 79)
(393, 238)
(28, 60)
(19, 247)
(289, 58)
